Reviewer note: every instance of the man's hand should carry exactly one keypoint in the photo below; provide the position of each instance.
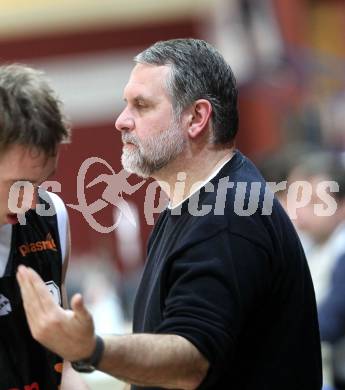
(151, 360)
(68, 333)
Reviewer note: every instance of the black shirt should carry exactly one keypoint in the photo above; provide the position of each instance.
(24, 363)
(236, 284)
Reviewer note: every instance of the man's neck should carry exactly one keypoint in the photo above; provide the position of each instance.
(188, 172)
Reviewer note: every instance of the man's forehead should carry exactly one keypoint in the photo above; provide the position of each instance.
(145, 78)
(28, 157)
(146, 69)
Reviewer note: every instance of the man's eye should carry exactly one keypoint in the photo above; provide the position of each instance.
(141, 104)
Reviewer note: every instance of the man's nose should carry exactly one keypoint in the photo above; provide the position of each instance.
(124, 122)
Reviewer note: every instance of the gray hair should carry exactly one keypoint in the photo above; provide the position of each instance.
(29, 110)
(198, 71)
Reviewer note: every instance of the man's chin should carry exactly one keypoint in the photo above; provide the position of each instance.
(132, 166)
(135, 171)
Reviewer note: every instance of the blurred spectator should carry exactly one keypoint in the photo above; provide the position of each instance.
(326, 254)
(277, 166)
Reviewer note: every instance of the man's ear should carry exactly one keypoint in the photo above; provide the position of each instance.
(199, 116)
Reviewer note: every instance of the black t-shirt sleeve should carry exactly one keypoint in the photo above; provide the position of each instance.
(210, 289)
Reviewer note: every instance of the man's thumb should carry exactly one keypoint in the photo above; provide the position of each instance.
(77, 305)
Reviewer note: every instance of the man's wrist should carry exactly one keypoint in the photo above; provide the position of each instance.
(91, 363)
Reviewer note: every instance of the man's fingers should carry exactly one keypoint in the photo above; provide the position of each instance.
(29, 295)
(32, 303)
(77, 305)
(41, 290)
(68, 333)
(35, 294)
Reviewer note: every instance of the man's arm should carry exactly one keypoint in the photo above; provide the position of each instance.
(168, 361)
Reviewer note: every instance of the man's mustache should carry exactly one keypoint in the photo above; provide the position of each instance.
(129, 138)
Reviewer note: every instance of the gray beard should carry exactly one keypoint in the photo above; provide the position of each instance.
(148, 157)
